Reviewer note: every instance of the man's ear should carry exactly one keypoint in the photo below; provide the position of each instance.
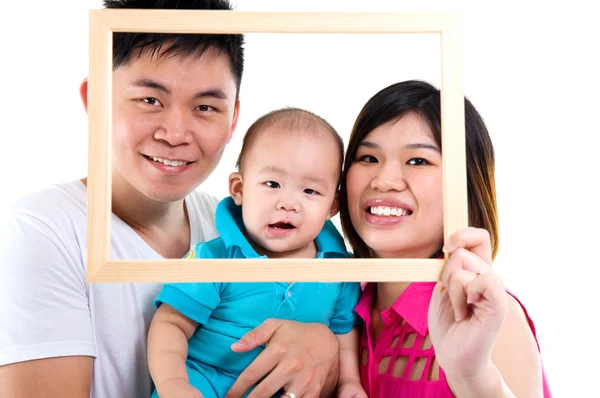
(335, 206)
(83, 93)
(236, 187)
(236, 114)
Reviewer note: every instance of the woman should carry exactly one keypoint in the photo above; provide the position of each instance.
(464, 336)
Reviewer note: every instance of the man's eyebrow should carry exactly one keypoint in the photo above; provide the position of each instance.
(214, 93)
(149, 83)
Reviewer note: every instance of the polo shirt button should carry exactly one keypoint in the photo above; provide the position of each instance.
(289, 293)
(390, 316)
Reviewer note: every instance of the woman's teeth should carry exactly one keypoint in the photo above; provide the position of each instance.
(388, 211)
(169, 162)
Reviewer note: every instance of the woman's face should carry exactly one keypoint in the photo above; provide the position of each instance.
(394, 186)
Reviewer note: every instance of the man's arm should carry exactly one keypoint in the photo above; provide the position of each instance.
(46, 344)
(64, 377)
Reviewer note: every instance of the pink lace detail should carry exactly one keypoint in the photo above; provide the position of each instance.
(401, 363)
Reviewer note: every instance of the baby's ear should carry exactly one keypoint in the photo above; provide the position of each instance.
(335, 206)
(236, 187)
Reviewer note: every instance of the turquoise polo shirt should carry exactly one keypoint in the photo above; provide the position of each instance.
(227, 311)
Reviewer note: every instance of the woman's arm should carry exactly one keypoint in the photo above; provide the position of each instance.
(480, 335)
(167, 351)
(515, 368)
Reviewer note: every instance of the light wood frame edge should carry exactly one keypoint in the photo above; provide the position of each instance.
(104, 22)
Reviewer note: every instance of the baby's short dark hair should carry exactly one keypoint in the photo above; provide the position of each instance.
(289, 119)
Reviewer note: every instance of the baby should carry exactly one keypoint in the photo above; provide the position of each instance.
(281, 200)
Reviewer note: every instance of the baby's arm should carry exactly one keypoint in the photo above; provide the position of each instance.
(167, 352)
(349, 381)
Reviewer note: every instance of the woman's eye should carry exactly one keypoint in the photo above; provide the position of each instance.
(417, 162)
(367, 159)
(309, 191)
(151, 101)
(273, 184)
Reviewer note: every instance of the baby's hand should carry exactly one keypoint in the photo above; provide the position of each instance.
(351, 389)
(178, 388)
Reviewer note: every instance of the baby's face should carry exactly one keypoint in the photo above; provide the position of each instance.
(289, 186)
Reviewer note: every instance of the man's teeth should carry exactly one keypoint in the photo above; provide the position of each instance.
(388, 211)
(170, 162)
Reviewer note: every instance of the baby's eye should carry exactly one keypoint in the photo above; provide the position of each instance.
(367, 159)
(418, 162)
(151, 101)
(309, 191)
(273, 184)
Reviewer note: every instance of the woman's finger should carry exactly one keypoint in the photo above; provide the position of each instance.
(457, 293)
(257, 336)
(488, 286)
(464, 259)
(284, 374)
(307, 384)
(475, 240)
(264, 363)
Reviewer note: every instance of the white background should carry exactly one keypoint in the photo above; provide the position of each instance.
(531, 70)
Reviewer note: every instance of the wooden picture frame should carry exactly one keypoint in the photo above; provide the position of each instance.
(106, 21)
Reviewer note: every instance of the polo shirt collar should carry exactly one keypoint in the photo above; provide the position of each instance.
(412, 305)
(230, 226)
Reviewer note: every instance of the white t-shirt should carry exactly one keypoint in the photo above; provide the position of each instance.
(47, 308)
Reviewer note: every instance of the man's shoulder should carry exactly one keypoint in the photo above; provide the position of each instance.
(56, 201)
(203, 201)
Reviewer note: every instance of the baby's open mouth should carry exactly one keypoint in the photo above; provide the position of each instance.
(282, 225)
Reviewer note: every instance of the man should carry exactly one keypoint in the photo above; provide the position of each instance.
(175, 107)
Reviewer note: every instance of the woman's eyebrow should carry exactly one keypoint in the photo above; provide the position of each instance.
(368, 144)
(420, 145)
(416, 145)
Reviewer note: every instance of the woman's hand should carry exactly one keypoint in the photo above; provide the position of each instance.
(468, 308)
(299, 358)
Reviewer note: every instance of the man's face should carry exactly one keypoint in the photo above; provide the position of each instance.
(172, 118)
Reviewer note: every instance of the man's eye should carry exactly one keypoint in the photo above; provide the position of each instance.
(418, 162)
(367, 159)
(205, 108)
(151, 101)
(273, 184)
(309, 191)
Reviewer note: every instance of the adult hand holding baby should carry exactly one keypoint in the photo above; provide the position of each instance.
(299, 357)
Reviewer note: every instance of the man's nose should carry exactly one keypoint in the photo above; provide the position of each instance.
(176, 128)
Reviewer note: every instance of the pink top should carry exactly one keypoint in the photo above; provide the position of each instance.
(405, 335)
